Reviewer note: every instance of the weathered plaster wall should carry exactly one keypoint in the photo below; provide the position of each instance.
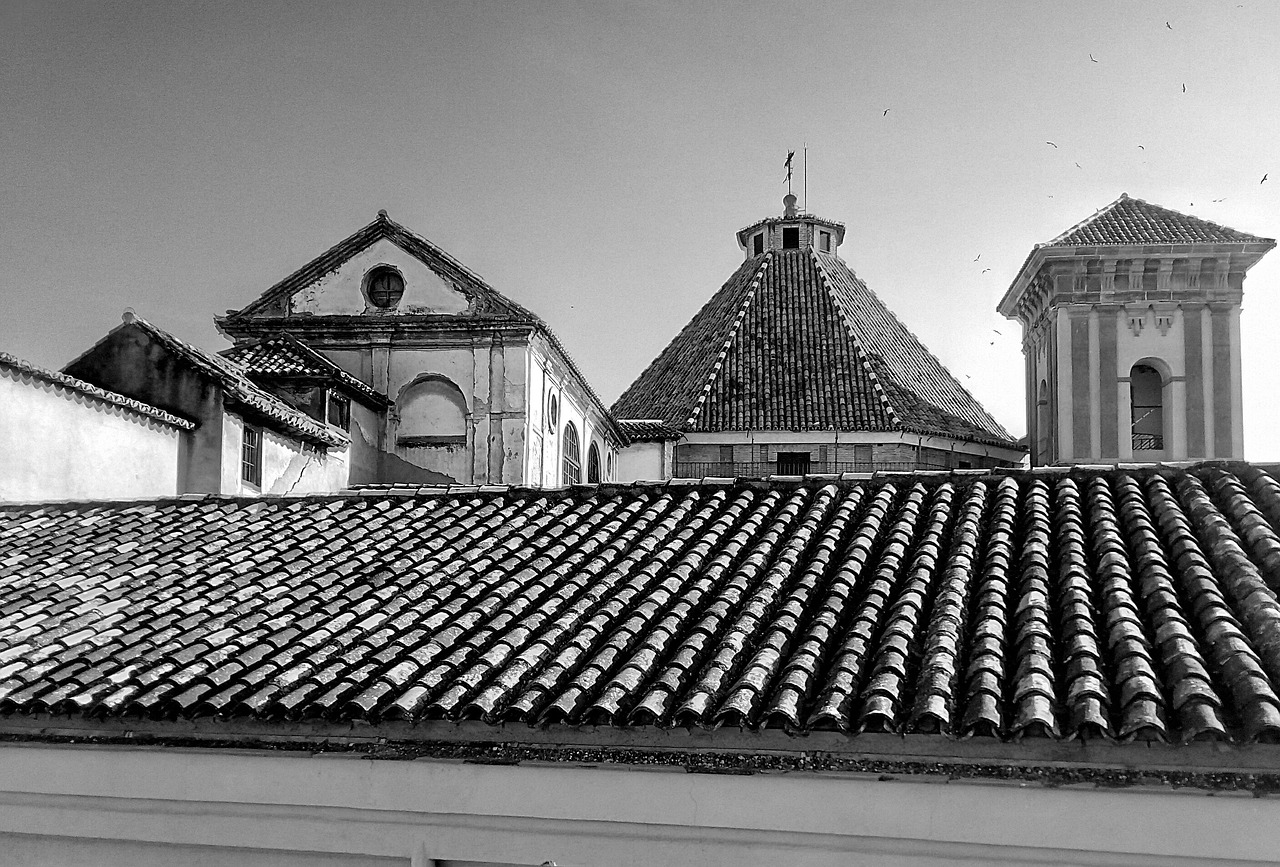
(58, 443)
(349, 809)
(288, 465)
(366, 431)
(342, 291)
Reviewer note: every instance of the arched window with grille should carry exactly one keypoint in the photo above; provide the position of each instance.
(593, 464)
(572, 462)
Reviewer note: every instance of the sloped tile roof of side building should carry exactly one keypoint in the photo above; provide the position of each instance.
(1130, 612)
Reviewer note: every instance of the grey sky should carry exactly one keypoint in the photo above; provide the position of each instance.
(594, 160)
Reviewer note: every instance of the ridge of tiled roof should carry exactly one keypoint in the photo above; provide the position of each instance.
(235, 383)
(485, 300)
(648, 430)
(283, 355)
(1129, 221)
(26, 368)
(1129, 604)
(795, 341)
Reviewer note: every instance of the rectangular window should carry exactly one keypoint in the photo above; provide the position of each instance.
(824, 241)
(791, 238)
(251, 455)
(339, 411)
(793, 463)
(757, 244)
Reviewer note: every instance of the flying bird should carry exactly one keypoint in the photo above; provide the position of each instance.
(1079, 166)
(1219, 200)
(985, 270)
(977, 257)
(997, 331)
(1050, 143)
(886, 113)
(1167, 24)
(1094, 59)
(1184, 88)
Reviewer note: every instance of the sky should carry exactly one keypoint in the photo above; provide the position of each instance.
(594, 160)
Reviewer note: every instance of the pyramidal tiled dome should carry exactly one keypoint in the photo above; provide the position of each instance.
(794, 341)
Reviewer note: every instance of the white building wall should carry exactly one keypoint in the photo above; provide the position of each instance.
(645, 462)
(57, 443)
(59, 804)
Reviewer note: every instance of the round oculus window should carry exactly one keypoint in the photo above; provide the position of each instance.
(384, 287)
(553, 413)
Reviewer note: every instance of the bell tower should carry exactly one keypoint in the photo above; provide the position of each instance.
(1131, 334)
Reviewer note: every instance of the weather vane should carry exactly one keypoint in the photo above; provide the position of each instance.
(790, 156)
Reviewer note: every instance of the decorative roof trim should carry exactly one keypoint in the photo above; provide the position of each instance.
(79, 385)
(863, 357)
(733, 334)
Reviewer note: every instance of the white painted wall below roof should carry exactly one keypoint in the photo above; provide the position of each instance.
(59, 444)
(256, 808)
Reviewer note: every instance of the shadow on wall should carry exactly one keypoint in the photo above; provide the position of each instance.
(397, 471)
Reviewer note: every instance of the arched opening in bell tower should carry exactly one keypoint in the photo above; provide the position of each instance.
(1146, 402)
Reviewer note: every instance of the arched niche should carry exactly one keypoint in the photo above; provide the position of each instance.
(431, 411)
(1043, 423)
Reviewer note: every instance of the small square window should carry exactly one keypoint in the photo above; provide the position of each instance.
(824, 241)
(791, 238)
(251, 455)
(757, 244)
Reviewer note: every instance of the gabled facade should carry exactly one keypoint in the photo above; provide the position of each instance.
(795, 366)
(1131, 335)
(478, 388)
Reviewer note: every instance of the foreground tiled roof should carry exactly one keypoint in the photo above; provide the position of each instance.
(283, 356)
(1127, 604)
(795, 341)
(1132, 221)
(26, 369)
(237, 388)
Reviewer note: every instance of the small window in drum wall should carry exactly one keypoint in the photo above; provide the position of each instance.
(757, 244)
(824, 241)
(791, 238)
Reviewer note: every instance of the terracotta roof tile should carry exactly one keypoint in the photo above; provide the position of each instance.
(1128, 221)
(795, 341)
(1120, 604)
(283, 356)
